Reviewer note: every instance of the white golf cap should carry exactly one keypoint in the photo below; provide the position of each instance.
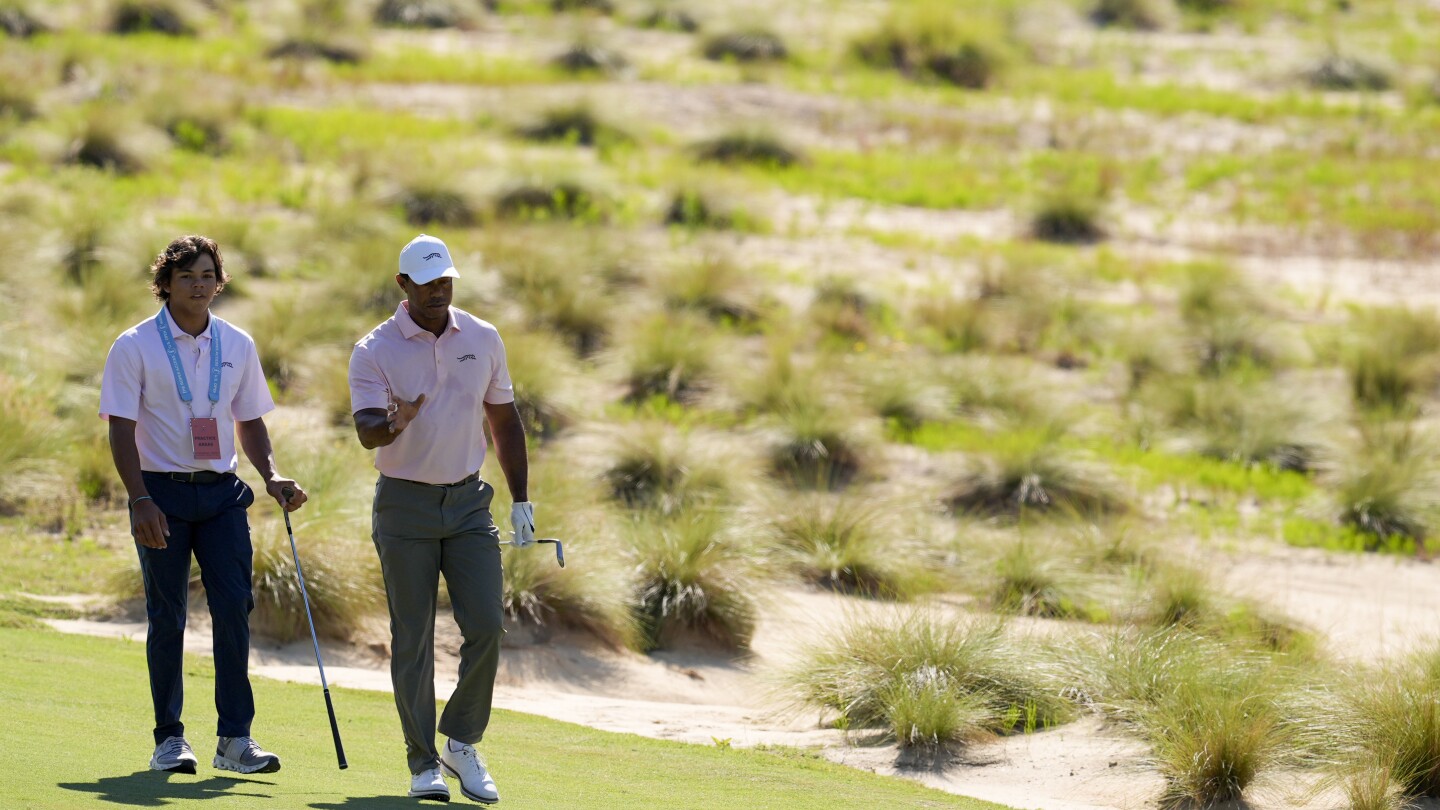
(426, 259)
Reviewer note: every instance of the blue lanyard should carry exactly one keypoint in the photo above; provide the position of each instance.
(182, 385)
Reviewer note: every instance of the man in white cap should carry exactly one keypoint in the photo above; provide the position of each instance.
(421, 385)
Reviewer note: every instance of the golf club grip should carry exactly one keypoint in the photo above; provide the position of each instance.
(335, 732)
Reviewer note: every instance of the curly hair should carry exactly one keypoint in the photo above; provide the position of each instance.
(181, 254)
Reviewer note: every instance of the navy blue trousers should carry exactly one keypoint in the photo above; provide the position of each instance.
(208, 521)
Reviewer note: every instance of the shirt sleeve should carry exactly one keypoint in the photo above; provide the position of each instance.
(123, 382)
(252, 397)
(500, 390)
(367, 384)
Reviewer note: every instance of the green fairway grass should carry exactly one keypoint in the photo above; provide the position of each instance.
(76, 734)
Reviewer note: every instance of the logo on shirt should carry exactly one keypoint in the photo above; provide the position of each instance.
(466, 357)
(226, 364)
(429, 256)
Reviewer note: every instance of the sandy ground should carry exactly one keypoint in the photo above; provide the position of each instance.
(1364, 607)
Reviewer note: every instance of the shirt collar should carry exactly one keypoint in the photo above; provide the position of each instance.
(407, 325)
(181, 334)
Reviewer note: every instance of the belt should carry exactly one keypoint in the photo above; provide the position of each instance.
(469, 479)
(196, 477)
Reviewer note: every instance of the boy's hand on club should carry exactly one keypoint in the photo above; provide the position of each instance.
(522, 520)
(286, 492)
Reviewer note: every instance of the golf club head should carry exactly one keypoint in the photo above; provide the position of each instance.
(559, 547)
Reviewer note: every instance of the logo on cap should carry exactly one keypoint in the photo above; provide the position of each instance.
(429, 256)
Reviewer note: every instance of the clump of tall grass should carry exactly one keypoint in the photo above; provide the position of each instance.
(1034, 581)
(995, 391)
(1228, 319)
(285, 336)
(306, 48)
(32, 432)
(596, 6)
(1385, 483)
(342, 582)
(1395, 358)
(933, 41)
(817, 445)
(421, 14)
(842, 309)
(669, 17)
(590, 57)
(1068, 219)
(846, 544)
(669, 355)
(1245, 422)
(540, 369)
(929, 681)
(549, 291)
(435, 202)
(1213, 717)
(540, 202)
(695, 578)
(691, 208)
(1342, 72)
(1381, 730)
(668, 470)
(17, 101)
(540, 595)
(753, 45)
(899, 389)
(18, 22)
(150, 16)
(105, 143)
(715, 285)
(1033, 473)
(751, 147)
(1141, 15)
(576, 124)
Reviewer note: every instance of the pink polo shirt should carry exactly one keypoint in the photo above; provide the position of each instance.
(138, 384)
(457, 372)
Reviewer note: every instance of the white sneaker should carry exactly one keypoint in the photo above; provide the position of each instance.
(244, 755)
(429, 785)
(174, 755)
(467, 766)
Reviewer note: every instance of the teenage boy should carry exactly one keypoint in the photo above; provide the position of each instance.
(177, 390)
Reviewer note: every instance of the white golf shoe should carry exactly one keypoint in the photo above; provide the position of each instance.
(175, 755)
(244, 755)
(429, 785)
(463, 763)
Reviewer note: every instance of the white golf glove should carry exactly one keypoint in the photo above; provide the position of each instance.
(522, 520)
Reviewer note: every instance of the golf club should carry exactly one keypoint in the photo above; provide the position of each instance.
(305, 597)
(559, 547)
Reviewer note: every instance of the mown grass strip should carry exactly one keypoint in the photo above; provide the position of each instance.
(61, 688)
